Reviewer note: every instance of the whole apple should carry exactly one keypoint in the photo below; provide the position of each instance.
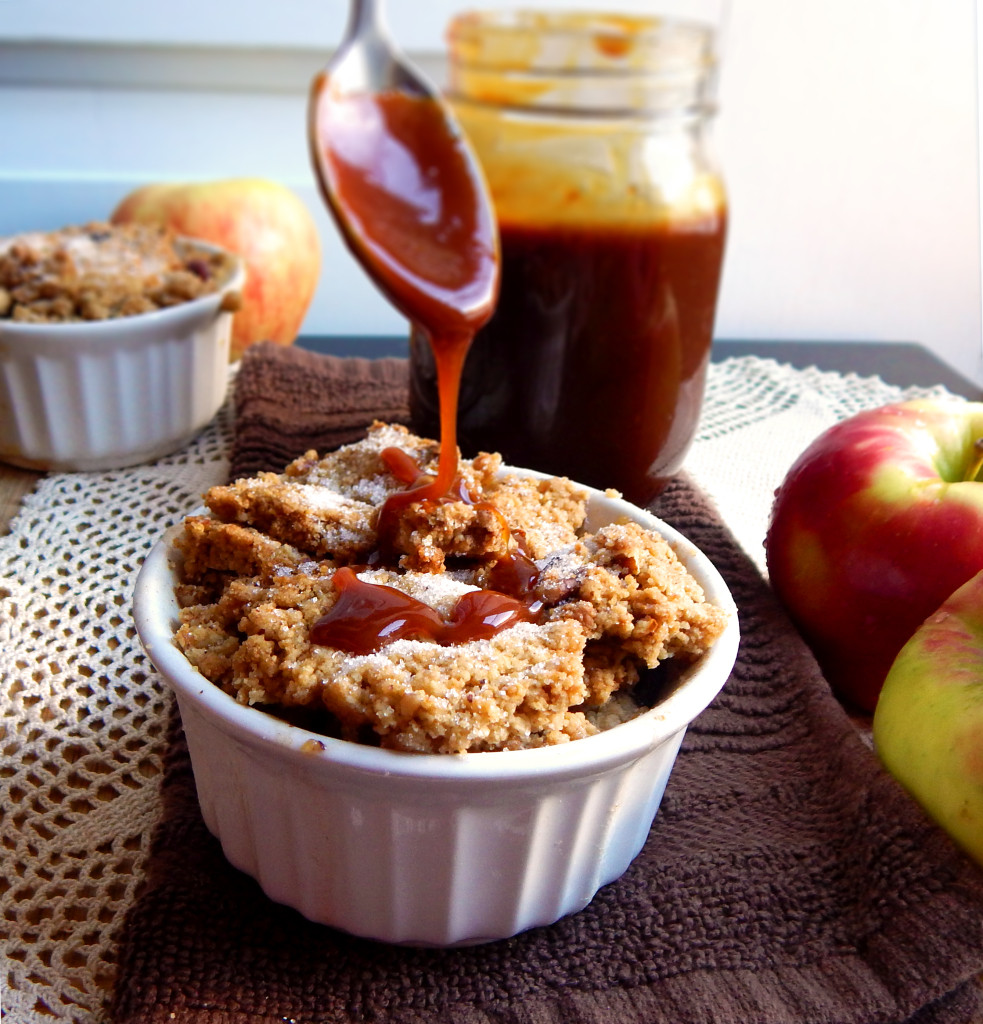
(876, 523)
(928, 725)
(263, 222)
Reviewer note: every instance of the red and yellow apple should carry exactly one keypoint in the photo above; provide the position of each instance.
(928, 725)
(874, 526)
(262, 221)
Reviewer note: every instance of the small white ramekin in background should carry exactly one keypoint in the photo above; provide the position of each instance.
(429, 849)
(104, 394)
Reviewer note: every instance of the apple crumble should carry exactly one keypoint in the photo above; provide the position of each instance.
(488, 620)
(101, 271)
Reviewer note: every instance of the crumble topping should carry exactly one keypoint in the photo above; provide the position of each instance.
(258, 573)
(101, 271)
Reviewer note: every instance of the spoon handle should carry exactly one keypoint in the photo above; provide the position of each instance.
(366, 20)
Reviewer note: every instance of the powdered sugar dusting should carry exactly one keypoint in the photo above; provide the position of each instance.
(320, 498)
(404, 650)
(566, 559)
(438, 590)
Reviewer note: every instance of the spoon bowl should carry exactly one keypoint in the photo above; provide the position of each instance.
(401, 181)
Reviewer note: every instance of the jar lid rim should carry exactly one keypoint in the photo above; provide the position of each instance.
(640, 27)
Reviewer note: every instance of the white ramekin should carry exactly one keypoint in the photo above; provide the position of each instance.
(429, 849)
(111, 393)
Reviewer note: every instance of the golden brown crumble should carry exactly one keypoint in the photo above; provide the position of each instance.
(258, 573)
(100, 271)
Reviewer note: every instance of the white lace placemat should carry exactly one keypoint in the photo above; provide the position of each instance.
(83, 714)
(759, 416)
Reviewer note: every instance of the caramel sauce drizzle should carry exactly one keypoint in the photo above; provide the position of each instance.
(420, 221)
(367, 616)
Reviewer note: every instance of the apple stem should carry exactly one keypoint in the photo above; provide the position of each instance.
(977, 463)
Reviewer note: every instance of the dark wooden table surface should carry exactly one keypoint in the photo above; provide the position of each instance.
(902, 364)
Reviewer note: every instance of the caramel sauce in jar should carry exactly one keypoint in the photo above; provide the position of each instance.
(592, 133)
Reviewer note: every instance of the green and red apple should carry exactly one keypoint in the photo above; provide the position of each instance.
(262, 221)
(928, 725)
(874, 526)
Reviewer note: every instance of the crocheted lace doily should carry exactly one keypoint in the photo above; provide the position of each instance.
(83, 712)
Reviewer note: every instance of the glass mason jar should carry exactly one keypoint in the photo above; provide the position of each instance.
(592, 132)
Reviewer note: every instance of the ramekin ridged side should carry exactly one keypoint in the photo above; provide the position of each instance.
(429, 849)
(447, 862)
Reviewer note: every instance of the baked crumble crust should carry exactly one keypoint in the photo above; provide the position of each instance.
(101, 271)
(258, 573)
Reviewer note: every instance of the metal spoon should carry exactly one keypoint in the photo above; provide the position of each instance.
(400, 179)
(410, 199)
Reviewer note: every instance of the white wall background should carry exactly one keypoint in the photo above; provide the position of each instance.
(848, 136)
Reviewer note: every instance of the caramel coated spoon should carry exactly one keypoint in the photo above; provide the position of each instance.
(408, 196)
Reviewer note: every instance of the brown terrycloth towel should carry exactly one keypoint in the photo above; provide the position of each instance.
(288, 400)
(787, 878)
